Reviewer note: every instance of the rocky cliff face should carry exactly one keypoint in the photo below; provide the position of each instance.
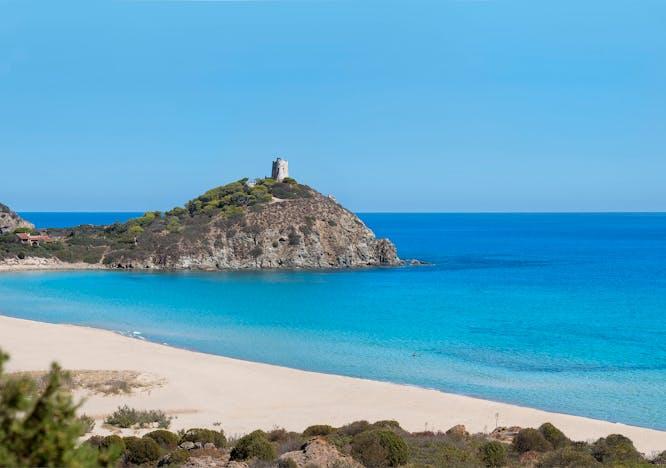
(10, 220)
(312, 232)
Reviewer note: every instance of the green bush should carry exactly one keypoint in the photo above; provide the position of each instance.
(567, 457)
(380, 448)
(177, 457)
(205, 436)
(616, 449)
(531, 440)
(553, 435)
(355, 428)
(450, 455)
(318, 430)
(493, 454)
(164, 438)
(127, 417)
(253, 445)
(39, 426)
(139, 451)
(87, 422)
(387, 424)
(113, 441)
(109, 449)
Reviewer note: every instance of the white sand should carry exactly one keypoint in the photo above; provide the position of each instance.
(203, 389)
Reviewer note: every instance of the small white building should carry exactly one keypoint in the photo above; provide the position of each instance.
(280, 169)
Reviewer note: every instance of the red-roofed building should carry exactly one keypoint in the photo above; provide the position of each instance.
(29, 239)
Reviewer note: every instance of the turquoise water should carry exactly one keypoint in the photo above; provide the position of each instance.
(564, 312)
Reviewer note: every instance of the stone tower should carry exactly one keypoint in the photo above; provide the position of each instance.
(280, 169)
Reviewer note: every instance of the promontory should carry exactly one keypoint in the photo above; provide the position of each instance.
(261, 224)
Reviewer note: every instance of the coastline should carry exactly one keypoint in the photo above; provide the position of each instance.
(202, 390)
(45, 264)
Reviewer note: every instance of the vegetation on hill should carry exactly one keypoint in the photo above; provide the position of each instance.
(39, 427)
(137, 237)
(263, 224)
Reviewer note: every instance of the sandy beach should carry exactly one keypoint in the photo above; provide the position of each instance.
(44, 264)
(202, 390)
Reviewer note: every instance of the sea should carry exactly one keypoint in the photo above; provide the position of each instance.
(563, 312)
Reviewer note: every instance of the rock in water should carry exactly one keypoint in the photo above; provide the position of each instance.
(10, 220)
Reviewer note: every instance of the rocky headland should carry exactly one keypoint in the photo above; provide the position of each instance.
(243, 225)
(10, 221)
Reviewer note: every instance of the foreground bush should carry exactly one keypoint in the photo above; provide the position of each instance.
(380, 448)
(528, 440)
(254, 445)
(163, 438)
(126, 417)
(139, 451)
(553, 435)
(493, 454)
(40, 427)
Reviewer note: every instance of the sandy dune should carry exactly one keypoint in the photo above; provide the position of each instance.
(203, 390)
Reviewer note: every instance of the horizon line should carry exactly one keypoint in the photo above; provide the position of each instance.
(397, 212)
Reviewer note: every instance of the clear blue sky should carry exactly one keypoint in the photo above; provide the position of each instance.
(389, 105)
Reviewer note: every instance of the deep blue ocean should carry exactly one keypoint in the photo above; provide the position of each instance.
(564, 312)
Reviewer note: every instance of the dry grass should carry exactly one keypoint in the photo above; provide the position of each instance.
(100, 382)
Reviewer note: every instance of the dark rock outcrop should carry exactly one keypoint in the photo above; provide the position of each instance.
(318, 452)
(9, 220)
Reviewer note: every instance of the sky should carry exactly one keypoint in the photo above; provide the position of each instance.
(453, 106)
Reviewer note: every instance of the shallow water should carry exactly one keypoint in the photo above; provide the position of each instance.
(564, 312)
